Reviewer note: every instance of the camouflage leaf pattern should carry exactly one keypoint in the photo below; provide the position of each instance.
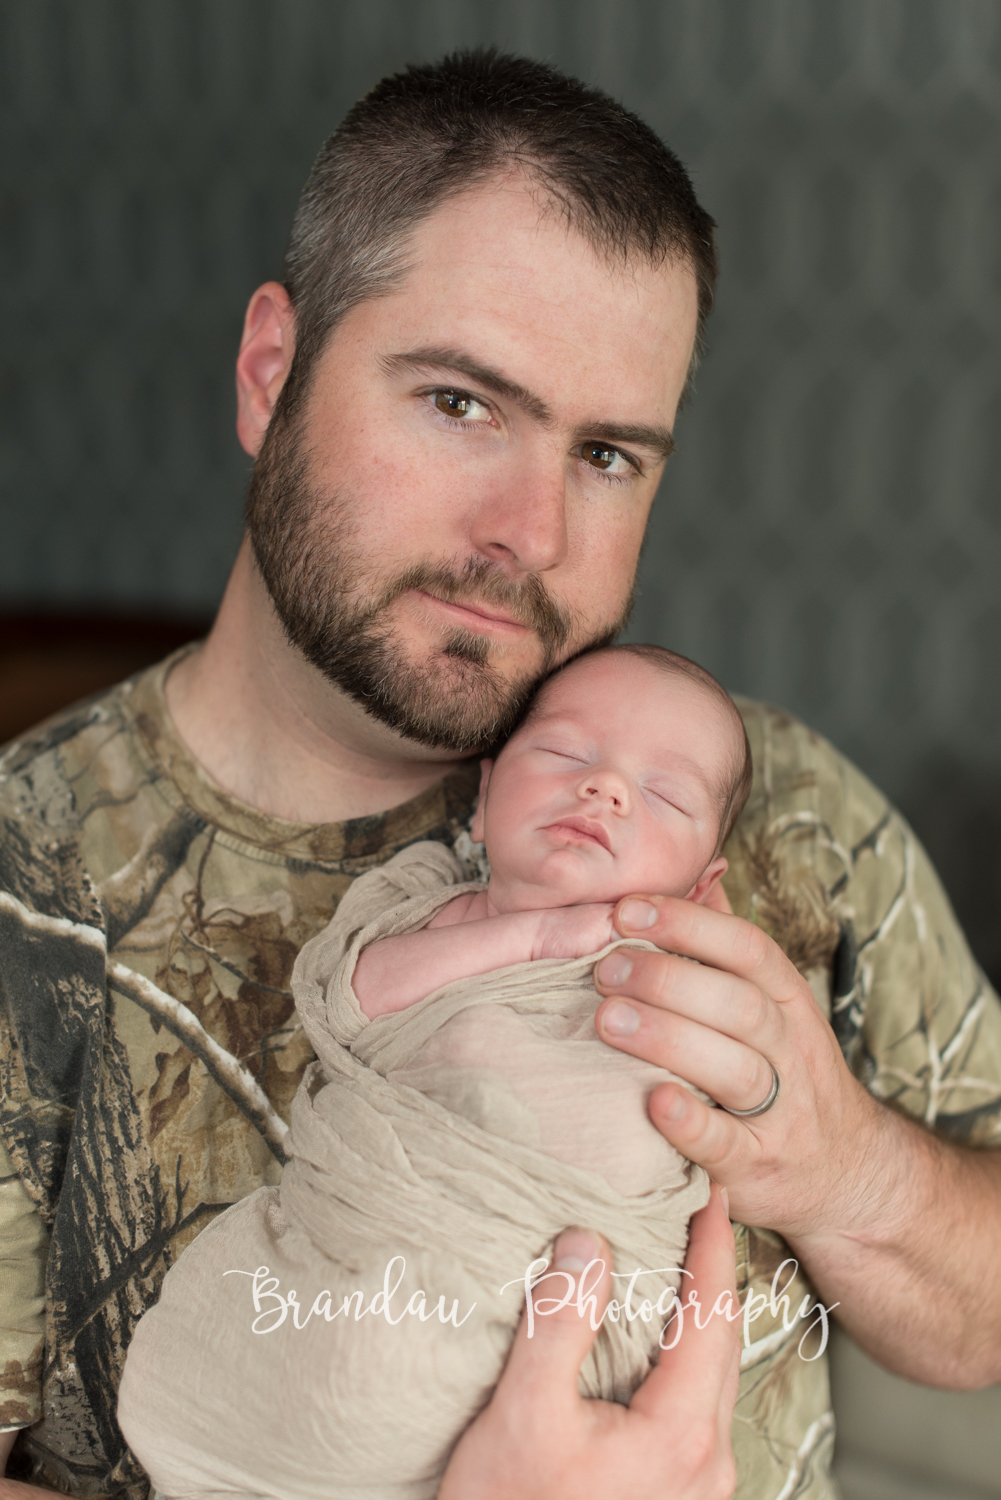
(150, 1052)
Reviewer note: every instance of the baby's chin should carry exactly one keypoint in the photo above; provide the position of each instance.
(564, 878)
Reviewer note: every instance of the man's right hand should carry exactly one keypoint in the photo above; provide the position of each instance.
(539, 1439)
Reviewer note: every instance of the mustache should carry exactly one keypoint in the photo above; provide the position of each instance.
(480, 581)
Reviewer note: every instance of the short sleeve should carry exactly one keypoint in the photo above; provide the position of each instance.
(823, 863)
(835, 873)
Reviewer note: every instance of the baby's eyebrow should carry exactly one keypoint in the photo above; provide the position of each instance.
(687, 767)
(557, 723)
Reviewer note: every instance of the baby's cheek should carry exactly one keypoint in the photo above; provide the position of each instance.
(670, 868)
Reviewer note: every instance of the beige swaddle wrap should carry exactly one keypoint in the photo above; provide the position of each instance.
(445, 1145)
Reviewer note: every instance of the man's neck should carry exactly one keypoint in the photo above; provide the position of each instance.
(274, 733)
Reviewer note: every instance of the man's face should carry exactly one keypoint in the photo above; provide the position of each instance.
(462, 504)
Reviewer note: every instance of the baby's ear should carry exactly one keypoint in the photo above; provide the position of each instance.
(476, 831)
(707, 890)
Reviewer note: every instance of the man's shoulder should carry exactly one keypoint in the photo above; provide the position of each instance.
(41, 768)
(798, 769)
(826, 864)
(51, 779)
(797, 852)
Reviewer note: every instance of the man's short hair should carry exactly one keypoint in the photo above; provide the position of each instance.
(427, 134)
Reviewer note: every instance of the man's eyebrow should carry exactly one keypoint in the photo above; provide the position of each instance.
(455, 362)
(659, 439)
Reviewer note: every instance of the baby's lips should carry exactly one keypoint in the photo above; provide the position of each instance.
(589, 828)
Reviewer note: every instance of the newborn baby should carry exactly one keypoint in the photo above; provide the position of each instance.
(334, 1336)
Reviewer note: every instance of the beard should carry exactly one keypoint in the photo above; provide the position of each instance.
(454, 700)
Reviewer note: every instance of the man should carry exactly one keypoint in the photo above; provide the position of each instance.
(459, 406)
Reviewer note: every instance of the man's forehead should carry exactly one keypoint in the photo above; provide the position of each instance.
(493, 276)
(521, 240)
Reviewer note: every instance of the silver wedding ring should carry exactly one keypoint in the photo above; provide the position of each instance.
(764, 1106)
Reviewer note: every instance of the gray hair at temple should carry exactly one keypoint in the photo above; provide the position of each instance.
(433, 131)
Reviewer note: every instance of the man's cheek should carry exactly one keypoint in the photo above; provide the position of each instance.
(600, 599)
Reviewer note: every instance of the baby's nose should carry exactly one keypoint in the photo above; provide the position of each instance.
(605, 786)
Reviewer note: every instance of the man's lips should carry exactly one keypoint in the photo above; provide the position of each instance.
(476, 616)
(589, 830)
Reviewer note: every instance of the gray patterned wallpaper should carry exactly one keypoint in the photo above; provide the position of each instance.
(829, 535)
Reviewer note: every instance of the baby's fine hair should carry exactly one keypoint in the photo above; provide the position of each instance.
(733, 793)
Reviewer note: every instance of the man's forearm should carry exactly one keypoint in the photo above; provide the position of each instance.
(917, 1281)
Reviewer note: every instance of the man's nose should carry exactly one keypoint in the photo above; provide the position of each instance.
(605, 787)
(523, 522)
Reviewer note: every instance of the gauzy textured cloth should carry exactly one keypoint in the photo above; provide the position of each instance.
(149, 923)
(454, 1139)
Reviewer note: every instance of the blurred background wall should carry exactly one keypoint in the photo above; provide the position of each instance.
(829, 533)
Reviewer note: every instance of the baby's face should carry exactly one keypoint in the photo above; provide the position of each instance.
(613, 786)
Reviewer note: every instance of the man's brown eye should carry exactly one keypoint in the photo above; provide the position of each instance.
(599, 456)
(452, 404)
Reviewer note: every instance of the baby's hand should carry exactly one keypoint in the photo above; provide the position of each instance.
(574, 931)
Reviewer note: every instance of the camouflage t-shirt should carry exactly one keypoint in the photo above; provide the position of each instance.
(150, 1047)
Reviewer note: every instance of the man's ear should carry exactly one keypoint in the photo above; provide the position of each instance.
(264, 361)
(708, 881)
(476, 831)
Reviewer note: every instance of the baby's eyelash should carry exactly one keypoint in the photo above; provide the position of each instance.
(670, 802)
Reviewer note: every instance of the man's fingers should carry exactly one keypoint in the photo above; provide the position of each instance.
(560, 1326)
(711, 996)
(702, 1370)
(735, 1073)
(711, 1137)
(712, 1261)
(727, 943)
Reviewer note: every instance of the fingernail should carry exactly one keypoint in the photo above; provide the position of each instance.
(638, 914)
(574, 1250)
(615, 969)
(677, 1107)
(620, 1020)
(725, 1200)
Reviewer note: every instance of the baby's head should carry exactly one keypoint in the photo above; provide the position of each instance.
(626, 776)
